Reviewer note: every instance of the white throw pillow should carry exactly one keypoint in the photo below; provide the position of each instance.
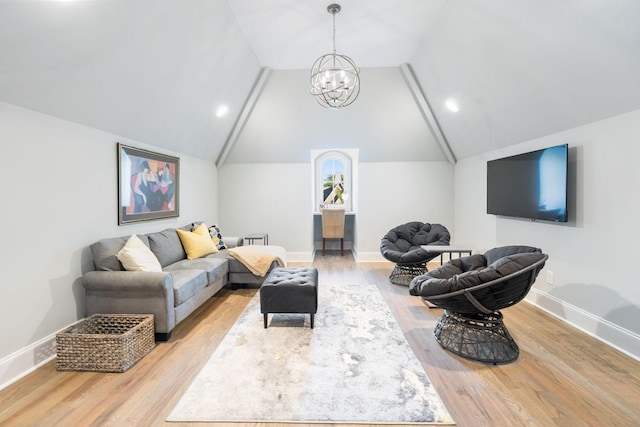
(136, 256)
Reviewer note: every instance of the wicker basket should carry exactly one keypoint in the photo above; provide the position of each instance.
(105, 343)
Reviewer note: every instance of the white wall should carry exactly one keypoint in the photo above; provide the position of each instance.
(271, 198)
(592, 256)
(276, 198)
(394, 193)
(59, 189)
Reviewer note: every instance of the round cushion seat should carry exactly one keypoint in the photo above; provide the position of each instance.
(402, 246)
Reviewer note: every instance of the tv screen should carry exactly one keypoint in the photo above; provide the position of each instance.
(530, 185)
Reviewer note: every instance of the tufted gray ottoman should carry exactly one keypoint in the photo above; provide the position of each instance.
(290, 290)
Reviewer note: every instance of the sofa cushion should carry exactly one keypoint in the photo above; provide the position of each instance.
(197, 243)
(187, 283)
(105, 252)
(166, 246)
(214, 267)
(136, 256)
(235, 266)
(238, 272)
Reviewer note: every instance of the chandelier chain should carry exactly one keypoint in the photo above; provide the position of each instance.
(334, 32)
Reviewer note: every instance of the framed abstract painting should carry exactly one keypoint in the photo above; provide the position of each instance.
(148, 185)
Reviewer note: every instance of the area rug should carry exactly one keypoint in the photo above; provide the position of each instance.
(355, 366)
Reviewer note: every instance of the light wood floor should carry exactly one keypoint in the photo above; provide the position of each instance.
(562, 378)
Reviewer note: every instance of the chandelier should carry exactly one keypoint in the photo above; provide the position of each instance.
(335, 79)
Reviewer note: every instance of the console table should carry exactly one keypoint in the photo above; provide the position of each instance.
(448, 249)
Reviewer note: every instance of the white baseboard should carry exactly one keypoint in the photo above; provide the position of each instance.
(611, 334)
(26, 360)
(300, 256)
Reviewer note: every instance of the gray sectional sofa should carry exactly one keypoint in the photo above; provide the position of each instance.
(170, 295)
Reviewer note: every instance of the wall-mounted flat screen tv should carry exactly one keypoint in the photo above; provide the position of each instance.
(530, 185)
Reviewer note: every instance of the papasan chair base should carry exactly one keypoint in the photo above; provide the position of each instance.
(479, 337)
(404, 274)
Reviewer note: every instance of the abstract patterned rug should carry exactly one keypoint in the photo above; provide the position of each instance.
(354, 367)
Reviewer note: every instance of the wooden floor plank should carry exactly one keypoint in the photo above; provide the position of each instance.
(563, 377)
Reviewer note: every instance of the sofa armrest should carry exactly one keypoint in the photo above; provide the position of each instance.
(132, 292)
(122, 281)
(233, 242)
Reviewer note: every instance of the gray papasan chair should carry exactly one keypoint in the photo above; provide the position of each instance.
(473, 290)
(402, 245)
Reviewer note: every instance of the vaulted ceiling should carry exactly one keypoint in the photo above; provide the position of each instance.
(156, 71)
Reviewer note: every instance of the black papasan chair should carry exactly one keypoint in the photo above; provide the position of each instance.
(473, 290)
(402, 245)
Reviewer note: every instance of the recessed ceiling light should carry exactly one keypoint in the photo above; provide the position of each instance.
(452, 105)
(222, 111)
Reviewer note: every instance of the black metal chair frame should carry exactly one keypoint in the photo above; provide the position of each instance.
(471, 330)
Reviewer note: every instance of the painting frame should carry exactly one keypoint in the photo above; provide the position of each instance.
(148, 185)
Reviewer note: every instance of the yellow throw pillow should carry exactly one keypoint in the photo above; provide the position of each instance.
(136, 256)
(202, 229)
(197, 243)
